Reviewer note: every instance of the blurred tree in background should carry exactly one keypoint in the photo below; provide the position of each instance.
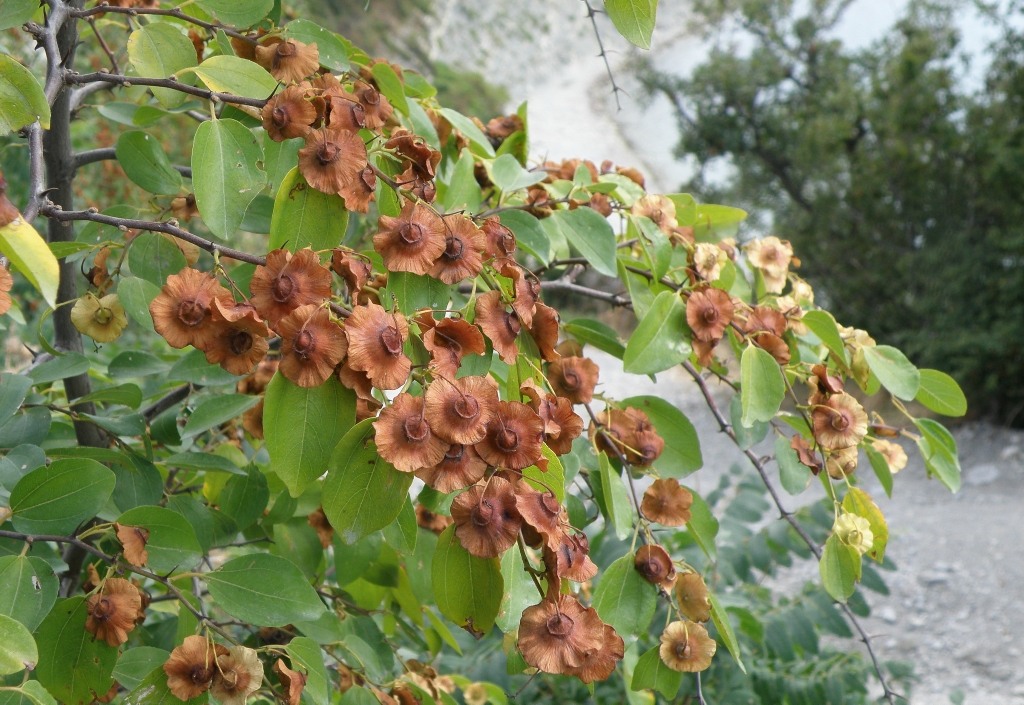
(897, 180)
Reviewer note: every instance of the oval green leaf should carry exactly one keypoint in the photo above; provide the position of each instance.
(333, 53)
(859, 502)
(73, 665)
(617, 506)
(302, 426)
(939, 450)
(160, 50)
(651, 673)
(230, 74)
(591, 332)
(240, 13)
(468, 589)
(264, 590)
(55, 499)
(363, 492)
(624, 599)
(226, 173)
(681, 455)
(794, 475)
(22, 101)
(840, 569)
(892, 368)
(15, 13)
(214, 411)
(940, 393)
(154, 257)
(28, 589)
(529, 233)
(762, 387)
(634, 19)
(468, 128)
(172, 543)
(591, 234)
(305, 217)
(824, 326)
(145, 162)
(659, 342)
(136, 294)
(390, 85)
(13, 390)
(27, 251)
(17, 647)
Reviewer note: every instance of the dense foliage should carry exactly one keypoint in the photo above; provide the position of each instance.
(893, 173)
(299, 425)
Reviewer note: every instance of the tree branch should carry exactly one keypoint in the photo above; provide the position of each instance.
(169, 227)
(72, 78)
(616, 89)
(176, 13)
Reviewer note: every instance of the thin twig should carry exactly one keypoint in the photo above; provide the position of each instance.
(103, 44)
(592, 14)
(578, 289)
(176, 13)
(78, 79)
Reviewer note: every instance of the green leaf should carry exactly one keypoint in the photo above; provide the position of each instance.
(363, 492)
(145, 163)
(14, 13)
(194, 368)
(160, 50)
(28, 589)
(132, 363)
(681, 455)
(939, 450)
(230, 74)
(172, 543)
(213, 411)
(302, 426)
(940, 393)
(617, 505)
(634, 19)
(591, 332)
(824, 326)
(466, 126)
(28, 693)
(154, 257)
(264, 590)
(651, 673)
(711, 223)
(592, 236)
(306, 655)
(28, 426)
(553, 477)
(840, 568)
(529, 233)
(153, 690)
(416, 291)
(22, 100)
(881, 467)
(67, 365)
(136, 294)
(468, 589)
(240, 13)
(27, 251)
(725, 631)
(794, 475)
(13, 390)
(73, 665)
(519, 591)
(624, 599)
(55, 499)
(245, 497)
(226, 173)
(17, 647)
(703, 525)
(659, 341)
(859, 502)
(305, 217)
(762, 387)
(128, 394)
(333, 53)
(390, 85)
(463, 191)
(892, 368)
(509, 175)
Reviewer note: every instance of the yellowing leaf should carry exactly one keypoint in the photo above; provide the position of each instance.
(859, 502)
(27, 251)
